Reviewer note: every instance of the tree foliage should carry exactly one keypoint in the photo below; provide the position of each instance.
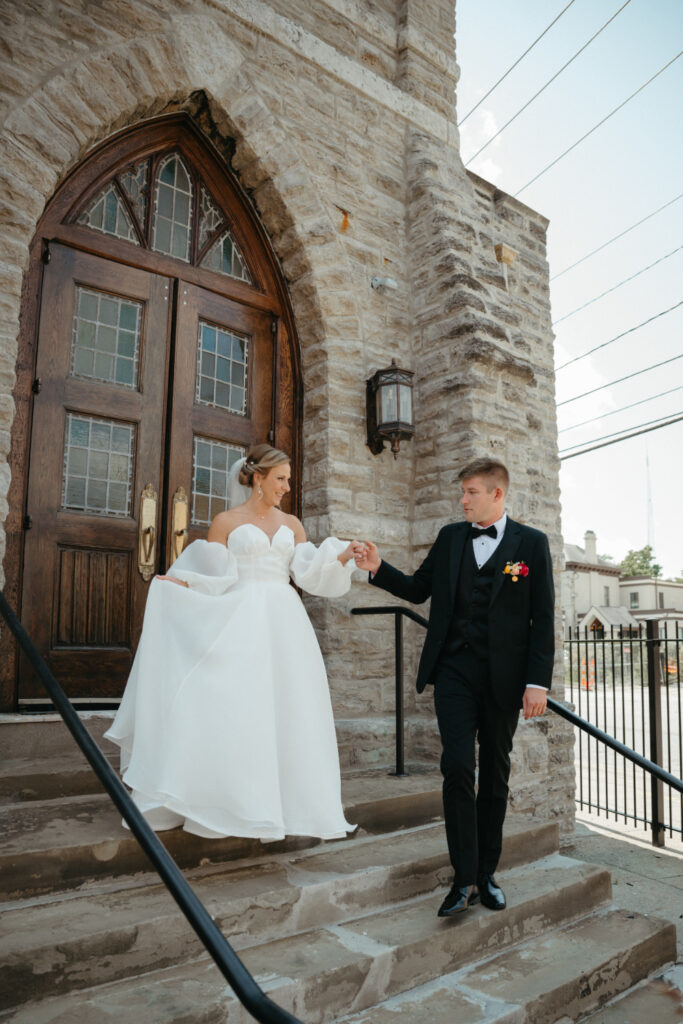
(640, 563)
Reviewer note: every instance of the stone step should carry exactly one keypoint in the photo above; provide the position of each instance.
(658, 1001)
(25, 780)
(55, 945)
(562, 976)
(346, 967)
(57, 844)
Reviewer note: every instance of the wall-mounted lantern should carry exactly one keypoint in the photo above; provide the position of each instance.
(389, 399)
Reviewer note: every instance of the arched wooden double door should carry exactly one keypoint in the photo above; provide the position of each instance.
(164, 348)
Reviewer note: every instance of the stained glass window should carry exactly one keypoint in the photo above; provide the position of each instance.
(210, 218)
(222, 363)
(212, 461)
(98, 465)
(107, 213)
(173, 209)
(225, 257)
(106, 338)
(134, 182)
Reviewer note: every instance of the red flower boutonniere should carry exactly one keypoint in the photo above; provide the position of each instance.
(516, 569)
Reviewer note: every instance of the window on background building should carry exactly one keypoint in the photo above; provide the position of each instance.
(661, 600)
(605, 600)
(634, 601)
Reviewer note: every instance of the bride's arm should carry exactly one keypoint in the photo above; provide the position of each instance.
(297, 529)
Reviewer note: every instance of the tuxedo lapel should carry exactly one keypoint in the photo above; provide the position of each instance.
(505, 552)
(459, 538)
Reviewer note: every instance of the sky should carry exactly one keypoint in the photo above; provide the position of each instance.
(631, 493)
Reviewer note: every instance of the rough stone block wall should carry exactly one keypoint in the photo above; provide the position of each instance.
(339, 120)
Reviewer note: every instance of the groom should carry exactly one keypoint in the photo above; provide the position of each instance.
(488, 652)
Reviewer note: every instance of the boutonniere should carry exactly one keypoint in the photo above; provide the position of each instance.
(516, 569)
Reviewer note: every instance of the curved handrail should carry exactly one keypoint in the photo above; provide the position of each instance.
(249, 993)
(656, 770)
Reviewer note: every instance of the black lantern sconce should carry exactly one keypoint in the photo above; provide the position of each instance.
(389, 398)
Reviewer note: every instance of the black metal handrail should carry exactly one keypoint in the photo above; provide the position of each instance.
(400, 612)
(249, 993)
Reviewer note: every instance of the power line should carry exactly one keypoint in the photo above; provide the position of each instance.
(518, 61)
(637, 373)
(614, 287)
(623, 334)
(613, 412)
(544, 87)
(605, 444)
(617, 237)
(619, 433)
(598, 125)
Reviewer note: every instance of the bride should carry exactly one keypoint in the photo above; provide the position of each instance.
(226, 726)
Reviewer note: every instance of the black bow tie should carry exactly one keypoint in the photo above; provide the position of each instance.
(488, 531)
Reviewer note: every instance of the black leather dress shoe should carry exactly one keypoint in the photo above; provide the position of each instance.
(490, 893)
(459, 898)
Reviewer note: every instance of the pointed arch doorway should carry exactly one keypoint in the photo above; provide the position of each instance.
(164, 347)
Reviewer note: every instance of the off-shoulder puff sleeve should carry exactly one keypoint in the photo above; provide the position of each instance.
(207, 567)
(319, 571)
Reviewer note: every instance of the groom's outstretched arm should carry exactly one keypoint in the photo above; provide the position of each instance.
(416, 588)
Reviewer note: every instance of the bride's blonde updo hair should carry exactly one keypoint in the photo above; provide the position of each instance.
(260, 458)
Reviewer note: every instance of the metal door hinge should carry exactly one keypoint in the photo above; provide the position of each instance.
(46, 255)
(37, 386)
(28, 522)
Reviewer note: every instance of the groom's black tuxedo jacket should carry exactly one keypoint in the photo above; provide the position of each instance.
(521, 620)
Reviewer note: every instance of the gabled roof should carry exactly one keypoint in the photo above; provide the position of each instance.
(612, 616)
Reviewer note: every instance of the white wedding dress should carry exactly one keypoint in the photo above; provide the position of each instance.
(226, 724)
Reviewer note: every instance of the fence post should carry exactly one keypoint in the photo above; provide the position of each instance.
(654, 689)
(398, 642)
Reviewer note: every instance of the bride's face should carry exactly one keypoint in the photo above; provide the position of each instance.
(275, 484)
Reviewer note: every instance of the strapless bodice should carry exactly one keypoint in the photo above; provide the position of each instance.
(260, 559)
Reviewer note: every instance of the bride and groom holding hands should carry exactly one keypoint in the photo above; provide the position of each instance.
(226, 725)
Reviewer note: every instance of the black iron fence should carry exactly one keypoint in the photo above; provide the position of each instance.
(627, 682)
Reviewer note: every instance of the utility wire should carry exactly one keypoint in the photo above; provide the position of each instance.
(518, 61)
(613, 412)
(614, 287)
(598, 125)
(544, 87)
(623, 334)
(605, 444)
(616, 237)
(619, 433)
(637, 373)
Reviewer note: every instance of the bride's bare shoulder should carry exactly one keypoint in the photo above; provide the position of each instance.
(296, 526)
(223, 523)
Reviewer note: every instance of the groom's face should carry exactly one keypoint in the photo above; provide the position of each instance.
(480, 501)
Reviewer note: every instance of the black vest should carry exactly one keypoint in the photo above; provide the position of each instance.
(470, 622)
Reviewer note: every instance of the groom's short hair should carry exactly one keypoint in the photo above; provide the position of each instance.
(494, 472)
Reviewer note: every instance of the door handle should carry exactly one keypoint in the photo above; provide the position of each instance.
(180, 522)
(147, 525)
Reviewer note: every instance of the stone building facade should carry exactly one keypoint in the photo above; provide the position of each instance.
(337, 121)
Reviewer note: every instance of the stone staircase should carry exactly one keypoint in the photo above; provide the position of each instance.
(343, 931)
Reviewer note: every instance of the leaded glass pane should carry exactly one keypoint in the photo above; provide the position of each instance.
(134, 182)
(106, 338)
(212, 461)
(172, 209)
(98, 465)
(107, 213)
(210, 218)
(225, 257)
(222, 361)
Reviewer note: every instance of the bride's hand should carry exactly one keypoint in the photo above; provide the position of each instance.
(172, 579)
(349, 552)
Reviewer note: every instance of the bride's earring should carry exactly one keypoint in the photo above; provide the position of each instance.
(260, 492)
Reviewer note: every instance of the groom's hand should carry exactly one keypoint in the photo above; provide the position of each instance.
(367, 557)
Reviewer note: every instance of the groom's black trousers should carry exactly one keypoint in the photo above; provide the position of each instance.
(466, 710)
